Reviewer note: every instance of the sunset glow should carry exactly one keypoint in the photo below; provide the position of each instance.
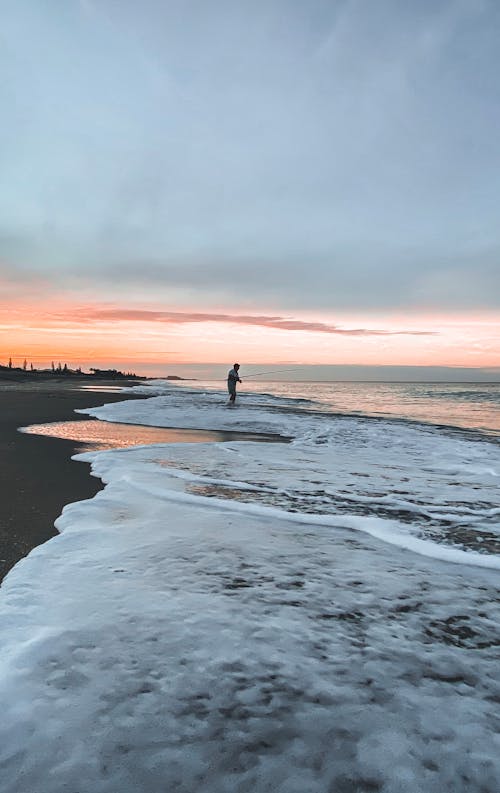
(107, 335)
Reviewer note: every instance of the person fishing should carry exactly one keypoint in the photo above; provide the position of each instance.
(233, 378)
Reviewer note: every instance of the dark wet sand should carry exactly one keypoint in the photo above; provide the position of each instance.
(37, 475)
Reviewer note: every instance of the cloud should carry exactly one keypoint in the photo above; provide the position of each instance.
(274, 322)
(330, 155)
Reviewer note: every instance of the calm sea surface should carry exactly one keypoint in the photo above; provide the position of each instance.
(466, 405)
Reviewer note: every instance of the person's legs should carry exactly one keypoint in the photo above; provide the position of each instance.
(232, 394)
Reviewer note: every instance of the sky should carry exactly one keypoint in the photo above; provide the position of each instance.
(275, 182)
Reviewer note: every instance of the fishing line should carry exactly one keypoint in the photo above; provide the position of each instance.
(273, 371)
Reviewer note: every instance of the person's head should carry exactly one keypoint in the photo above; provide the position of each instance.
(236, 366)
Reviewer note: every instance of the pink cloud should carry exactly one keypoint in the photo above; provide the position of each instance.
(276, 323)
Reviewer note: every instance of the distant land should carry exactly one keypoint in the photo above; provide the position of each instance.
(29, 373)
(20, 373)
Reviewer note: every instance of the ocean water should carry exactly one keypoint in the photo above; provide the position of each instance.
(474, 406)
(314, 616)
(360, 451)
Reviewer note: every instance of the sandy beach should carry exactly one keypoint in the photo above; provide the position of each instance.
(38, 476)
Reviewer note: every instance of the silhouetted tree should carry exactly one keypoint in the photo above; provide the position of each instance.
(112, 373)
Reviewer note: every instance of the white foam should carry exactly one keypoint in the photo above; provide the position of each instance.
(162, 643)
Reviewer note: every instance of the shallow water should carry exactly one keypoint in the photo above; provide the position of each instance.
(428, 486)
(100, 435)
(474, 406)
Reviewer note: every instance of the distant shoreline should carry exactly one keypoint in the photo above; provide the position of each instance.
(58, 378)
(19, 376)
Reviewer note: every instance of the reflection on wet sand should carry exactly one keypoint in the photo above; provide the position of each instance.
(97, 435)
